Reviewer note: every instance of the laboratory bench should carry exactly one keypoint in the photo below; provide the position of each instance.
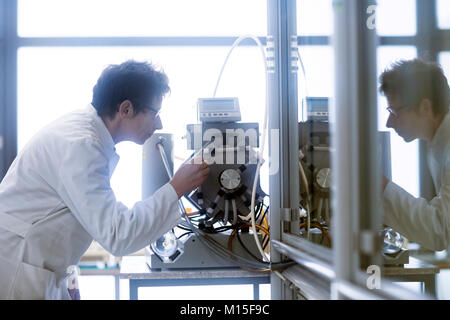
(136, 270)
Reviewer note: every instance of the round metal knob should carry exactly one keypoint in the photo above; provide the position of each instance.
(230, 179)
(323, 177)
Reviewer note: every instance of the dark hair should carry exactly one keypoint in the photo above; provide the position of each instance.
(415, 80)
(138, 82)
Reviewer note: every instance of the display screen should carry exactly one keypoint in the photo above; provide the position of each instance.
(218, 105)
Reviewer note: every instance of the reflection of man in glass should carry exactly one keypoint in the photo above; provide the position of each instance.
(419, 96)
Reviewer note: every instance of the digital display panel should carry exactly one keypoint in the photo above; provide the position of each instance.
(218, 105)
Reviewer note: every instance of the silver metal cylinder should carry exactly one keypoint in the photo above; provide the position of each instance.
(154, 174)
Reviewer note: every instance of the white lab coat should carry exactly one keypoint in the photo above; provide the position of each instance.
(56, 198)
(425, 222)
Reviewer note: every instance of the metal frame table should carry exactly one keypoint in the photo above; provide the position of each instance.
(415, 271)
(136, 270)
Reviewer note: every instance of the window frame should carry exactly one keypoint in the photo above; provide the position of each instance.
(429, 41)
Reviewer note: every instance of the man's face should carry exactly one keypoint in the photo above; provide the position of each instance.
(142, 125)
(403, 119)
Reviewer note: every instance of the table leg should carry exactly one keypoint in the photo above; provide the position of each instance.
(117, 286)
(133, 290)
(255, 291)
(430, 286)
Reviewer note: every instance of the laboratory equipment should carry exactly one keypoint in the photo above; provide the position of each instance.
(153, 168)
(167, 248)
(218, 110)
(315, 173)
(393, 247)
(222, 202)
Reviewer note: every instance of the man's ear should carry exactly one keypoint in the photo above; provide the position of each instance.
(426, 108)
(126, 109)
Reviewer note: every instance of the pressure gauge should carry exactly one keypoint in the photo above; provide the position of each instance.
(323, 177)
(230, 179)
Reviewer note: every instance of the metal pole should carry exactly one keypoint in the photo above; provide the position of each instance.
(8, 83)
(283, 119)
(2, 85)
(344, 137)
(356, 186)
(275, 179)
(427, 49)
(369, 213)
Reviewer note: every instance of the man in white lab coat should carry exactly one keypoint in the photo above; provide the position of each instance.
(56, 196)
(418, 96)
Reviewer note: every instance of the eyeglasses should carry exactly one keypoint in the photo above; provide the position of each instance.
(155, 112)
(395, 111)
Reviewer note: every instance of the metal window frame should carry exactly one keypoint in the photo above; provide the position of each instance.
(283, 100)
(347, 262)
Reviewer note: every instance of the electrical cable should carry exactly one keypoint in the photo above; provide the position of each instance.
(223, 228)
(258, 211)
(265, 241)
(244, 263)
(263, 218)
(236, 230)
(184, 234)
(183, 227)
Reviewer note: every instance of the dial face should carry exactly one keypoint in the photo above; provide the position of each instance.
(323, 178)
(230, 179)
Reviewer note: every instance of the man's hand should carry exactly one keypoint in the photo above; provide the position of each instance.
(189, 176)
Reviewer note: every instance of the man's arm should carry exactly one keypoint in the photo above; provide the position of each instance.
(426, 223)
(85, 189)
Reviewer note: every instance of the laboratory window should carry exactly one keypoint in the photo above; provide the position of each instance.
(443, 13)
(396, 18)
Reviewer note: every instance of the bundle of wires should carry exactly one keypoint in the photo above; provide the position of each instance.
(261, 214)
(254, 264)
